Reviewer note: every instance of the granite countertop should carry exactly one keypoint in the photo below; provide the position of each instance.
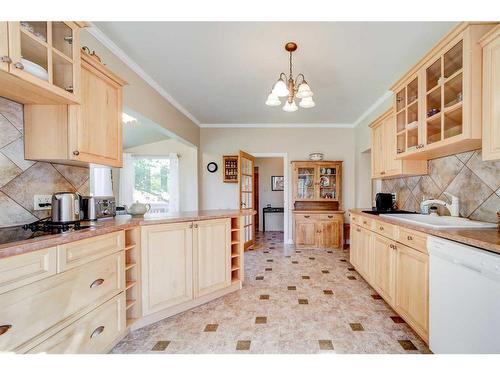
(299, 211)
(117, 223)
(487, 239)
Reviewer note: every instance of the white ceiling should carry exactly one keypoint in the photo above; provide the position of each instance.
(141, 131)
(221, 72)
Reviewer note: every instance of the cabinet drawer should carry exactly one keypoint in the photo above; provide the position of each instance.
(75, 254)
(366, 222)
(385, 229)
(34, 308)
(306, 217)
(91, 334)
(20, 270)
(413, 239)
(329, 217)
(355, 219)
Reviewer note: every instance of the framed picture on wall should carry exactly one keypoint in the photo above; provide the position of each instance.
(277, 183)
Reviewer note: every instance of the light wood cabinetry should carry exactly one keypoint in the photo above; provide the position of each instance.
(52, 49)
(384, 162)
(167, 265)
(491, 95)
(437, 106)
(313, 230)
(317, 181)
(212, 256)
(79, 134)
(412, 292)
(92, 334)
(395, 263)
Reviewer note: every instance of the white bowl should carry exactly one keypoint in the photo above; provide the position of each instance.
(35, 69)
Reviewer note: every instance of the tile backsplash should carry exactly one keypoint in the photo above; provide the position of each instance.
(465, 175)
(21, 179)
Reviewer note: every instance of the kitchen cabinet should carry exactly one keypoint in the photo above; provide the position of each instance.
(412, 292)
(167, 265)
(394, 261)
(437, 104)
(80, 134)
(384, 267)
(212, 255)
(40, 61)
(317, 181)
(384, 150)
(491, 95)
(314, 230)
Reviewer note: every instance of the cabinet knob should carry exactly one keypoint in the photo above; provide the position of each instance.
(76, 153)
(330, 216)
(364, 222)
(190, 225)
(307, 216)
(358, 230)
(97, 332)
(19, 65)
(410, 238)
(96, 283)
(381, 228)
(5, 328)
(383, 172)
(5, 59)
(196, 225)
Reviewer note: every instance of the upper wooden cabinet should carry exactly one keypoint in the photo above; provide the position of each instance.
(40, 62)
(491, 94)
(80, 134)
(384, 162)
(437, 104)
(317, 181)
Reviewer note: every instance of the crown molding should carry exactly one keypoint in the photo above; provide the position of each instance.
(373, 107)
(118, 52)
(272, 125)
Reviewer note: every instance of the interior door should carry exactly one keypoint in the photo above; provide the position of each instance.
(246, 179)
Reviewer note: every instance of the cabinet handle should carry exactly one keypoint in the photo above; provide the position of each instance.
(19, 65)
(358, 230)
(307, 216)
(97, 332)
(381, 228)
(330, 216)
(409, 238)
(96, 283)
(196, 225)
(364, 222)
(6, 59)
(191, 225)
(383, 172)
(5, 328)
(76, 153)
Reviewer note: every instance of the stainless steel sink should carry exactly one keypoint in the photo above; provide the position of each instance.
(441, 222)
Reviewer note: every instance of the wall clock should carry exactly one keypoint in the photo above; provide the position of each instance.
(212, 167)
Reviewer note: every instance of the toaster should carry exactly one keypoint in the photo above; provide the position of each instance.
(98, 207)
(384, 201)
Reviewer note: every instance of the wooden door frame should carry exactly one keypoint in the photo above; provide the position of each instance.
(243, 154)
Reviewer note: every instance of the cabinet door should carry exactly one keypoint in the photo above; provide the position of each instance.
(491, 98)
(377, 151)
(98, 135)
(329, 233)
(304, 181)
(412, 291)
(4, 46)
(167, 265)
(305, 233)
(354, 245)
(365, 254)
(212, 255)
(392, 166)
(384, 264)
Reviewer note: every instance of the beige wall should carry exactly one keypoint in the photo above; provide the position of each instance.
(336, 144)
(142, 98)
(270, 167)
(188, 168)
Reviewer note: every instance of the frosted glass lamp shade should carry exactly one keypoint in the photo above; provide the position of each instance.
(280, 89)
(290, 107)
(304, 91)
(307, 102)
(273, 100)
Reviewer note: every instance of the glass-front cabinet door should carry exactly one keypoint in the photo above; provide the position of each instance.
(315, 181)
(407, 117)
(46, 54)
(327, 182)
(305, 181)
(444, 95)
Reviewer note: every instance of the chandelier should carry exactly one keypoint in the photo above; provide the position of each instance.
(290, 88)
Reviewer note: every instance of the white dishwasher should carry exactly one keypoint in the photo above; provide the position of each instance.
(464, 298)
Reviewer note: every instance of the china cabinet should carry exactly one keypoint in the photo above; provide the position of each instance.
(437, 104)
(491, 94)
(40, 61)
(384, 162)
(317, 181)
(90, 132)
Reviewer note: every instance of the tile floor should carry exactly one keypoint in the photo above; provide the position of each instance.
(307, 301)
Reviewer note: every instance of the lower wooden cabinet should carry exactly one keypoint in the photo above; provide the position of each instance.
(184, 261)
(399, 273)
(412, 292)
(167, 265)
(316, 230)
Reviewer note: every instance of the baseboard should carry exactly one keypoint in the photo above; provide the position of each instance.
(171, 311)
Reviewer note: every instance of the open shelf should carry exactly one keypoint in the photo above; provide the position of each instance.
(130, 321)
(129, 303)
(129, 266)
(129, 284)
(129, 246)
(132, 274)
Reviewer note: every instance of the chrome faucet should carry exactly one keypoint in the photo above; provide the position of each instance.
(454, 207)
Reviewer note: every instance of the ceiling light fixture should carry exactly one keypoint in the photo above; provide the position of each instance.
(291, 88)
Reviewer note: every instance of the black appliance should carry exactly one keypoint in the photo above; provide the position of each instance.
(384, 202)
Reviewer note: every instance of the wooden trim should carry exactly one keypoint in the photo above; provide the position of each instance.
(99, 66)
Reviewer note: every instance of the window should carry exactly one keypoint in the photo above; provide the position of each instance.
(150, 179)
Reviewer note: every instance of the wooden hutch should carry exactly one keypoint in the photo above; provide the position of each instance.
(317, 195)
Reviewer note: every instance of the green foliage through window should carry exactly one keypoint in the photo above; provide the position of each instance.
(151, 179)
